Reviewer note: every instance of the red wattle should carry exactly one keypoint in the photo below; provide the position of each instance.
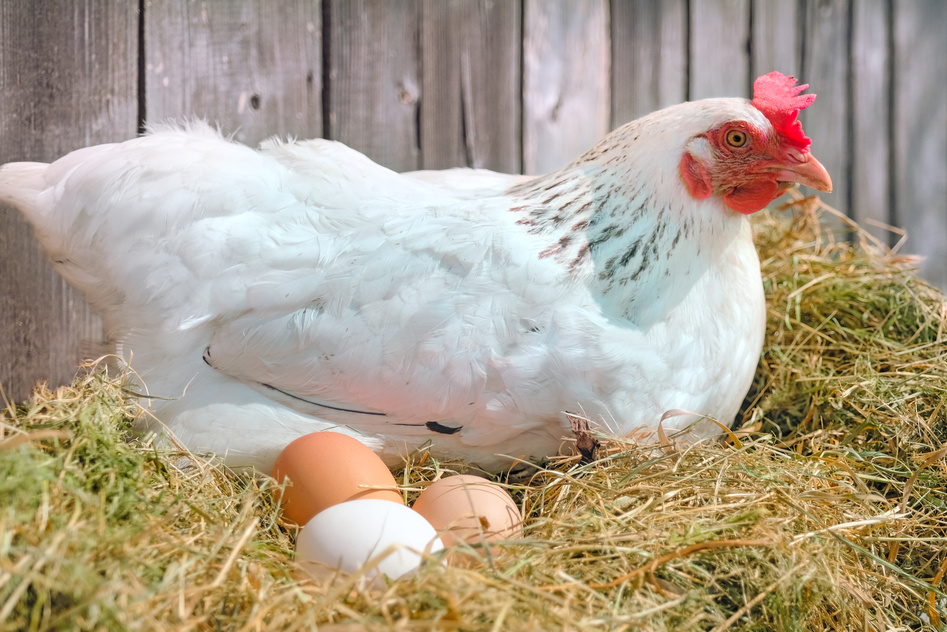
(753, 197)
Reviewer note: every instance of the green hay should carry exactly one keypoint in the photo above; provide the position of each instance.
(826, 512)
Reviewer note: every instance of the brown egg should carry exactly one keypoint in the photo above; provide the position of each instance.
(469, 508)
(327, 468)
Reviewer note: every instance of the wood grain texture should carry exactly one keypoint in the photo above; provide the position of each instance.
(776, 40)
(566, 56)
(920, 131)
(720, 43)
(870, 117)
(68, 79)
(252, 66)
(825, 68)
(470, 86)
(374, 83)
(649, 57)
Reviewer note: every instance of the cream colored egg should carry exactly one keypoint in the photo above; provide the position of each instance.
(470, 509)
(348, 536)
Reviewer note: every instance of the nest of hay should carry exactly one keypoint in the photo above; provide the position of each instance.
(825, 512)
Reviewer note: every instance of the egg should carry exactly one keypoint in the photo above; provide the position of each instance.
(327, 468)
(469, 509)
(346, 536)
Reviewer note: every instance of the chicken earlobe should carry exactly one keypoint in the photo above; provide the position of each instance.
(696, 178)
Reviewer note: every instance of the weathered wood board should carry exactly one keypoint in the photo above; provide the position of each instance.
(870, 117)
(254, 67)
(649, 57)
(775, 38)
(374, 79)
(920, 131)
(720, 40)
(470, 85)
(67, 80)
(824, 67)
(566, 51)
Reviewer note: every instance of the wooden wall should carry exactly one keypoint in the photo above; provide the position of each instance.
(511, 85)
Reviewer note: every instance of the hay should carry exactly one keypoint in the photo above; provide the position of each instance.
(826, 512)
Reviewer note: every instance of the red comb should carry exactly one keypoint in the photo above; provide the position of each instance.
(777, 97)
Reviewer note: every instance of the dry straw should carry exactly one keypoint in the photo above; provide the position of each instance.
(825, 512)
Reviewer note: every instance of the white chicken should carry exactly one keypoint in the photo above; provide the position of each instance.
(264, 294)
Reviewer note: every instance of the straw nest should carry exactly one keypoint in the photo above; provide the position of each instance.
(825, 512)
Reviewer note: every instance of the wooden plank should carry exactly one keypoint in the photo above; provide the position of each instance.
(720, 44)
(374, 82)
(672, 79)
(470, 105)
(566, 52)
(825, 68)
(920, 131)
(870, 116)
(67, 80)
(253, 66)
(649, 57)
(776, 38)
(775, 42)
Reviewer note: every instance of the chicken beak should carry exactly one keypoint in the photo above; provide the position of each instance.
(809, 172)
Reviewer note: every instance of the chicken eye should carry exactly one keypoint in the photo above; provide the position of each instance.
(736, 138)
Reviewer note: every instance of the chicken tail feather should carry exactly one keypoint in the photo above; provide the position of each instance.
(20, 186)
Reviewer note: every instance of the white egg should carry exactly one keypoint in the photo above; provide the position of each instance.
(347, 536)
